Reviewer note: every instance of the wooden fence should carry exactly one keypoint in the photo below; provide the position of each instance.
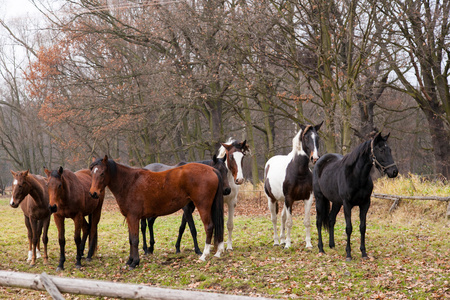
(259, 200)
(55, 285)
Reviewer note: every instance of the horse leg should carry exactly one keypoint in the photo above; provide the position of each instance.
(30, 241)
(79, 222)
(283, 225)
(133, 236)
(230, 226)
(335, 208)
(187, 217)
(180, 232)
(151, 222)
(205, 215)
(288, 223)
(144, 238)
(307, 220)
(37, 231)
(363, 209)
(348, 229)
(86, 228)
(59, 222)
(273, 213)
(45, 225)
(93, 232)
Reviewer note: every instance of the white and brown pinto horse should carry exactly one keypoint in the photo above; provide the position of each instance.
(288, 178)
(235, 152)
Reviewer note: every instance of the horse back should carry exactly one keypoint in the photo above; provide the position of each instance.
(163, 193)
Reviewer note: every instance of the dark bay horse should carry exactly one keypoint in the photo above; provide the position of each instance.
(216, 163)
(141, 193)
(30, 192)
(288, 179)
(234, 153)
(69, 198)
(346, 181)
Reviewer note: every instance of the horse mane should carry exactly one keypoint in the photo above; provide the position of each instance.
(55, 174)
(297, 146)
(112, 166)
(360, 150)
(222, 150)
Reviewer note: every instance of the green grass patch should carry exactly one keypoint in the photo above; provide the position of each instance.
(409, 254)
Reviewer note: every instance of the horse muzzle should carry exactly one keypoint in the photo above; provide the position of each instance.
(53, 208)
(314, 159)
(94, 195)
(227, 191)
(14, 204)
(392, 172)
(239, 181)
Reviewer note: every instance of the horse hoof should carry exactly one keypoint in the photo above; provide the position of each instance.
(59, 269)
(321, 254)
(365, 257)
(348, 259)
(89, 259)
(198, 252)
(78, 266)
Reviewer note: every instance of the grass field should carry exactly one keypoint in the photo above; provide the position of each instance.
(409, 253)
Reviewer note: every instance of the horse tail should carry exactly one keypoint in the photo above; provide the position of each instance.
(217, 212)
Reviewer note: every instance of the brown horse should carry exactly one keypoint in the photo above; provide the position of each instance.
(69, 198)
(216, 163)
(141, 193)
(30, 192)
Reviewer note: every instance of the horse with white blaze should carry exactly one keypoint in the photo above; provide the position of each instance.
(289, 179)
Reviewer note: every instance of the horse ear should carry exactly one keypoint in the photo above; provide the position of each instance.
(60, 170)
(105, 159)
(26, 172)
(215, 159)
(93, 159)
(377, 137)
(226, 146)
(317, 127)
(47, 172)
(13, 173)
(302, 126)
(386, 136)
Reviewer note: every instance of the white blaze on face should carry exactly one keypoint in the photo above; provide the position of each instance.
(95, 170)
(238, 156)
(315, 152)
(12, 198)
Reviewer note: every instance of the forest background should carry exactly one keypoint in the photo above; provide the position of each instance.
(165, 81)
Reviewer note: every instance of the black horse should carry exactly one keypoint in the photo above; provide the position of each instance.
(216, 163)
(346, 180)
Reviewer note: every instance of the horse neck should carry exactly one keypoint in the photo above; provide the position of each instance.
(117, 184)
(37, 191)
(301, 162)
(362, 164)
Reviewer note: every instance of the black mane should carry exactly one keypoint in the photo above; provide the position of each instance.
(112, 167)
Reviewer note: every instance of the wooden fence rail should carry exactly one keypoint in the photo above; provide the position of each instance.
(397, 198)
(55, 285)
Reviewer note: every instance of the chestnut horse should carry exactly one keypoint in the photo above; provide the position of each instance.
(30, 192)
(141, 193)
(69, 198)
(216, 163)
